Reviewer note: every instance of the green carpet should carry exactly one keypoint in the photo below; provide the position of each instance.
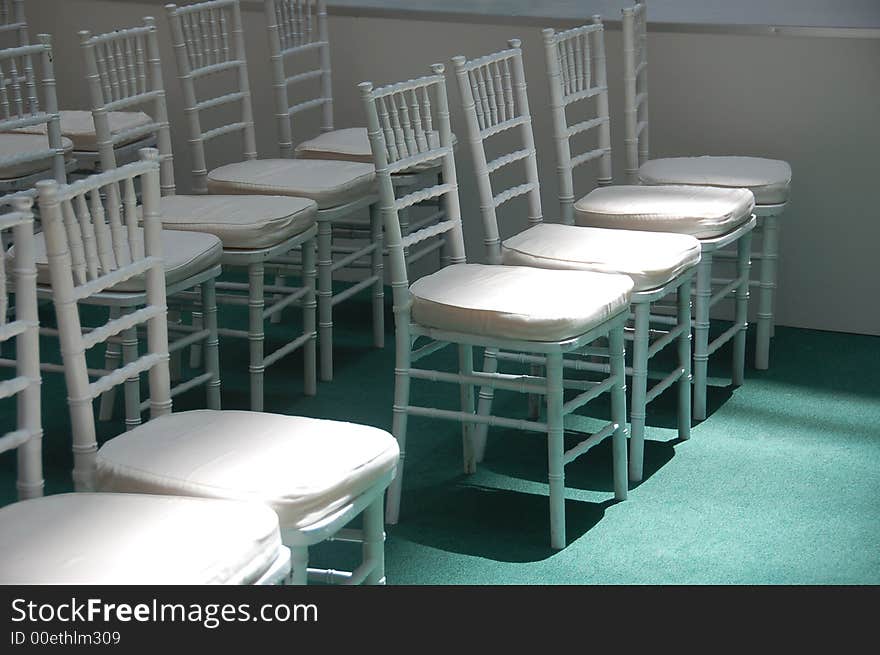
(780, 485)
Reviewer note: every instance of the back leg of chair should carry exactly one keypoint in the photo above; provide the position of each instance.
(684, 361)
(618, 412)
(638, 408)
(256, 335)
(299, 569)
(132, 389)
(702, 298)
(176, 360)
(466, 367)
(325, 296)
(195, 350)
(743, 267)
(377, 266)
(766, 289)
(555, 450)
(374, 541)
(310, 350)
(212, 343)
(111, 361)
(484, 404)
(399, 416)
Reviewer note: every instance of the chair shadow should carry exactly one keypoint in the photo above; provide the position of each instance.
(497, 524)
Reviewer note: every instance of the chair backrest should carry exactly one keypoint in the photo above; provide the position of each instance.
(408, 124)
(17, 217)
(20, 105)
(635, 88)
(578, 80)
(124, 73)
(13, 24)
(297, 31)
(92, 244)
(494, 98)
(208, 40)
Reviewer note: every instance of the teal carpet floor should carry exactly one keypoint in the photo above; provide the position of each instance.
(780, 485)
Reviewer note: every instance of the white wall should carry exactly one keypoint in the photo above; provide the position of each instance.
(811, 101)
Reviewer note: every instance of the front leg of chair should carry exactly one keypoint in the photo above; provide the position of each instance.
(534, 401)
(484, 405)
(374, 541)
(617, 363)
(299, 565)
(310, 371)
(280, 281)
(639, 390)
(175, 363)
(399, 417)
(684, 361)
(256, 336)
(701, 334)
(377, 265)
(325, 297)
(767, 286)
(195, 350)
(111, 361)
(132, 388)
(743, 265)
(466, 367)
(555, 450)
(212, 343)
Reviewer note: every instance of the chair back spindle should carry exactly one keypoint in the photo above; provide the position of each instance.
(16, 217)
(93, 243)
(493, 92)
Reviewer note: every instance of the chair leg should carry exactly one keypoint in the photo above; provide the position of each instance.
(374, 541)
(555, 450)
(212, 343)
(376, 238)
(399, 418)
(256, 302)
(195, 350)
(175, 363)
(111, 361)
(484, 405)
(618, 411)
(639, 390)
(310, 385)
(701, 334)
(280, 281)
(744, 253)
(132, 387)
(684, 361)
(299, 565)
(325, 297)
(466, 367)
(535, 400)
(767, 286)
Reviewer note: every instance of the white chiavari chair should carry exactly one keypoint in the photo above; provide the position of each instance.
(298, 32)
(255, 230)
(208, 39)
(13, 24)
(317, 475)
(542, 314)
(495, 102)
(716, 217)
(768, 179)
(88, 538)
(26, 73)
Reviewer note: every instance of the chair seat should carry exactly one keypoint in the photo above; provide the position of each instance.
(351, 144)
(328, 183)
(768, 179)
(240, 222)
(516, 302)
(79, 126)
(184, 253)
(702, 212)
(13, 144)
(651, 259)
(304, 468)
(135, 539)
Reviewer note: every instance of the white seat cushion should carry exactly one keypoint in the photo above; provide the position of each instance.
(304, 468)
(351, 144)
(651, 259)
(184, 255)
(243, 222)
(328, 183)
(79, 126)
(134, 539)
(14, 144)
(516, 302)
(703, 212)
(768, 179)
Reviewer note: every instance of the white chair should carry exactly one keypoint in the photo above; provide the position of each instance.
(193, 260)
(208, 38)
(297, 32)
(84, 538)
(716, 217)
(255, 231)
(495, 101)
(317, 475)
(542, 314)
(27, 158)
(768, 179)
(77, 128)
